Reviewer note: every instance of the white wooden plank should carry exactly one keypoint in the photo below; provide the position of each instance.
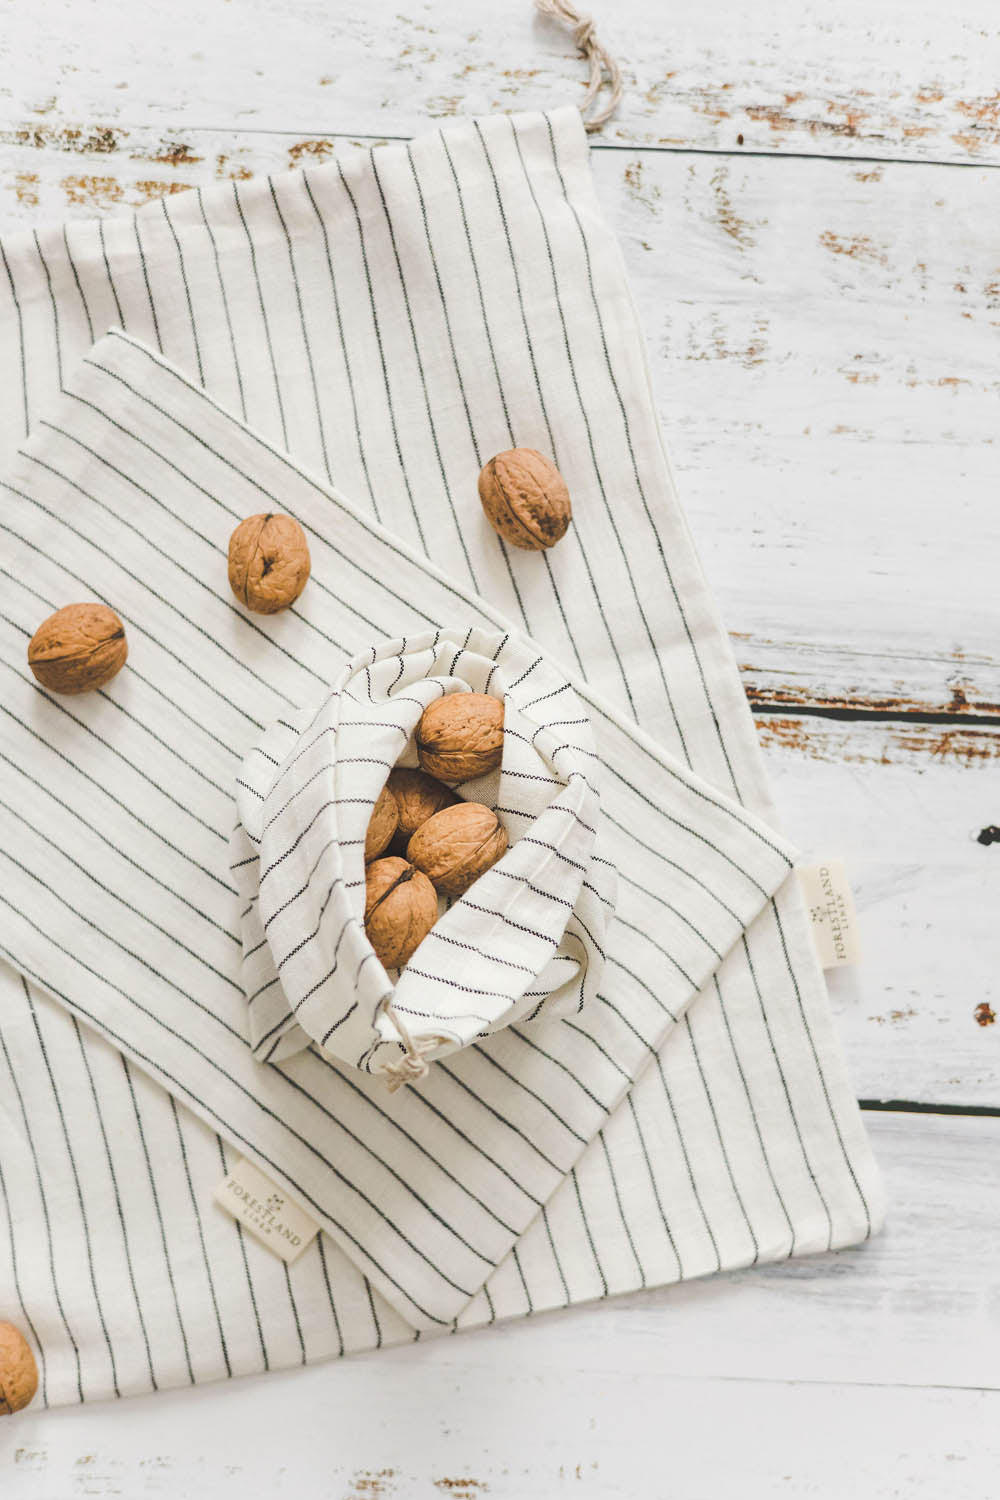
(850, 1374)
(829, 419)
(829, 416)
(909, 78)
(510, 1435)
(822, 345)
(872, 676)
(912, 1015)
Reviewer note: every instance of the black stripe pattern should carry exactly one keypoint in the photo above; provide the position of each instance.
(299, 907)
(530, 946)
(391, 324)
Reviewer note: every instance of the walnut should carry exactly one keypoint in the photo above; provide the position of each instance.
(77, 649)
(418, 797)
(400, 910)
(461, 736)
(268, 562)
(18, 1371)
(525, 498)
(457, 845)
(381, 825)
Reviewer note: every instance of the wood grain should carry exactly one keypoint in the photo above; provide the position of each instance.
(909, 826)
(906, 79)
(785, 1381)
(823, 340)
(510, 1435)
(822, 347)
(838, 483)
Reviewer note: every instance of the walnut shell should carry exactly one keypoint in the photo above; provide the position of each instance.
(400, 909)
(18, 1371)
(457, 845)
(525, 498)
(418, 797)
(381, 825)
(78, 649)
(461, 736)
(268, 562)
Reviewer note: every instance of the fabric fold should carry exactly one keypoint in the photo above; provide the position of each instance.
(519, 1105)
(389, 318)
(525, 945)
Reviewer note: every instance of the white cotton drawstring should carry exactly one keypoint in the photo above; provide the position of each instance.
(603, 67)
(412, 1066)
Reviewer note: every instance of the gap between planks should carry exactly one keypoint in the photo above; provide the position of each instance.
(919, 1107)
(860, 714)
(14, 135)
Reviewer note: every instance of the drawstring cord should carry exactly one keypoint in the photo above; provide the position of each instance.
(412, 1066)
(603, 67)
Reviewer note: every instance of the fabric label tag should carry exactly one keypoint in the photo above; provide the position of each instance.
(832, 913)
(266, 1210)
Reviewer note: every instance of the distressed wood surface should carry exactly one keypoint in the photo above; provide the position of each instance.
(914, 1013)
(838, 1375)
(823, 341)
(905, 78)
(758, 1440)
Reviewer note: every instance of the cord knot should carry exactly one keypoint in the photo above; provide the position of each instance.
(604, 69)
(412, 1066)
(583, 33)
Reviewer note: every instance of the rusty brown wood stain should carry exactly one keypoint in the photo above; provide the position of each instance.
(960, 708)
(738, 229)
(372, 1484)
(317, 150)
(855, 246)
(171, 154)
(99, 139)
(104, 192)
(897, 744)
(223, 169)
(638, 188)
(150, 189)
(26, 188)
(99, 192)
(985, 114)
(778, 119)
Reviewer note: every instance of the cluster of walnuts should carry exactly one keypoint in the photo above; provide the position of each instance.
(423, 840)
(81, 647)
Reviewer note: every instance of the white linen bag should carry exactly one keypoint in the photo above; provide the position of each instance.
(526, 944)
(349, 344)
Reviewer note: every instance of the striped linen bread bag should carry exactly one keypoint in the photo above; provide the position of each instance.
(348, 345)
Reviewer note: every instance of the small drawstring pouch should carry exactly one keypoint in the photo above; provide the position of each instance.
(525, 942)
